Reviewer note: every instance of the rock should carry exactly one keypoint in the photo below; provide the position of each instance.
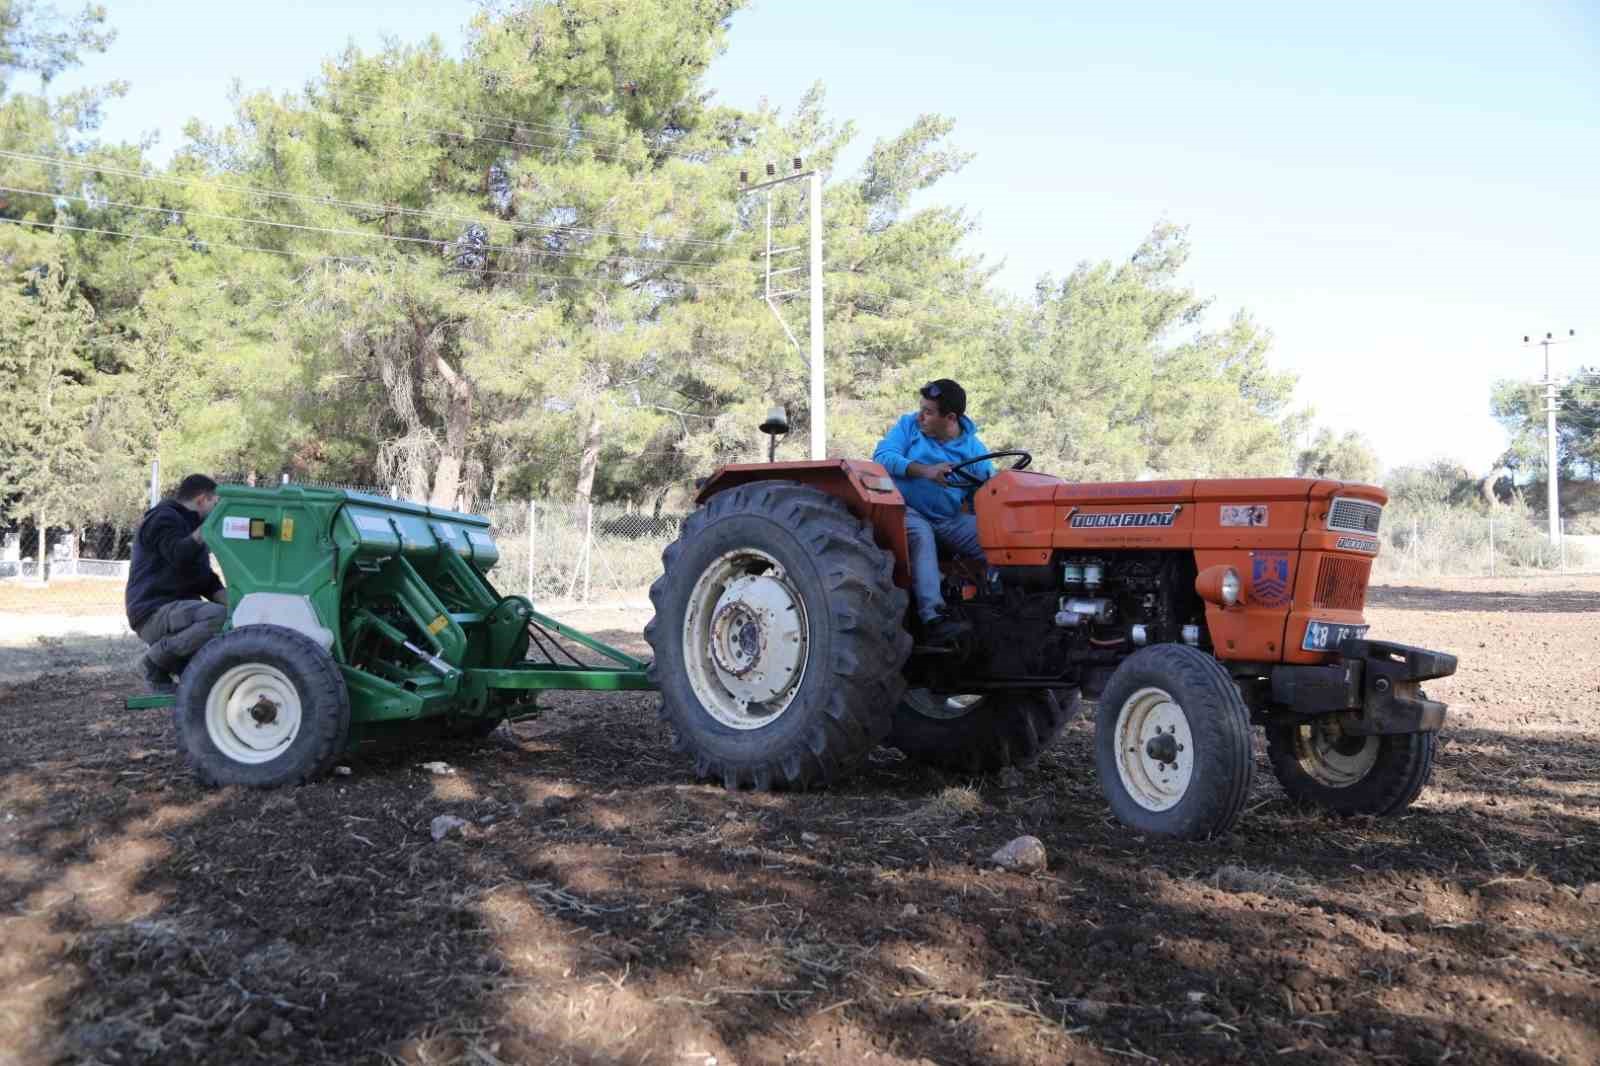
(1200, 1017)
(1092, 1010)
(1425, 1049)
(342, 771)
(277, 1031)
(908, 911)
(555, 804)
(1300, 980)
(446, 824)
(1414, 922)
(1591, 893)
(1025, 854)
(1010, 777)
(438, 768)
(1196, 998)
(809, 838)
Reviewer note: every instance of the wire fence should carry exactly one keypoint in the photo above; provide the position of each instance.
(1446, 542)
(562, 554)
(556, 554)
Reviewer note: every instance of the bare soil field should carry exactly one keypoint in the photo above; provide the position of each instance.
(602, 908)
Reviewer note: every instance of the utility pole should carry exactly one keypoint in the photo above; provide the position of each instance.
(772, 298)
(1552, 476)
(819, 404)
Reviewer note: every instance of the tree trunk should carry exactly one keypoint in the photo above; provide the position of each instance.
(590, 461)
(1486, 486)
(458, 420)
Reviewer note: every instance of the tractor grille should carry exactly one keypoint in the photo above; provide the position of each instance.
(1354, 516)
(1342, 583)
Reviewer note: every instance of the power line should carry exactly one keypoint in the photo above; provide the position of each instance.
(433, 241)
(199, 244)
(511, 124)
(357, 205)
(549, 149)
(515, 123)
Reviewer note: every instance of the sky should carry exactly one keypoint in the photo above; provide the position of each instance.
(1398, 191)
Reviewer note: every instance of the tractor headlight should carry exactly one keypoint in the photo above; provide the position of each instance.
(1219, 585)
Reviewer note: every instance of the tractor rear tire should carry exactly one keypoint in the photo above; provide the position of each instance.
(778, 638)
(985, 735)
(1172, 744)
(262, 706)
(1349, 775)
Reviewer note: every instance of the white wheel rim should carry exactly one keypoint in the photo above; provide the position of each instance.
(1155, 749)
(745, 639)
(944, 706)
(253, 713)
(1332, 758)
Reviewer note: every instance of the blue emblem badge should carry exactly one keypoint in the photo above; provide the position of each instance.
(1269, 578)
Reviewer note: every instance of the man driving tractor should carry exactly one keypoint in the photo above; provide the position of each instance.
(918, 451)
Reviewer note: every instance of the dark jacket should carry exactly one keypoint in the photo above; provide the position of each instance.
(167, 564)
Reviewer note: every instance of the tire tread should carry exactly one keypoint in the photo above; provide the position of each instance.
(867, 655)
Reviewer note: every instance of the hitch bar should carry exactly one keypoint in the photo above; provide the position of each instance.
(1376, 688)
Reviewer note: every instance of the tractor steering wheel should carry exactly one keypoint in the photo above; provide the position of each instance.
(958, 476)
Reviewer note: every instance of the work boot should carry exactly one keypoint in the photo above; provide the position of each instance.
(156, 678)
(944, 629)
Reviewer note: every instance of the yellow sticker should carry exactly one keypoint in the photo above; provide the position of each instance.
(438, 624)
(288, 528)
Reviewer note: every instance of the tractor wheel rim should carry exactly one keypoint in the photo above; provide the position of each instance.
(745, 639)
(1332, 757)
(253, 713)
(944, 706)
(1155, 749)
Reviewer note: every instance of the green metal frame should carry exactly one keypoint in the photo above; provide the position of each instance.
(450, 647)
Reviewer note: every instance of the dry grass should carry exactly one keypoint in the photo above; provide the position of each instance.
(949, 805)
(1233, 878)
(77, 596)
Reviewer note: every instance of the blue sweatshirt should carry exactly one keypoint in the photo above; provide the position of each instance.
(905, 443)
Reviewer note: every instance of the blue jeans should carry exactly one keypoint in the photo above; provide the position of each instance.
(957, 534)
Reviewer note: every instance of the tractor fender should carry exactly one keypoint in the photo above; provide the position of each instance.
(865, 487)
(286, 610)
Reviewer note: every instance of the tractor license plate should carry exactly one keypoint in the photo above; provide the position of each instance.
(1327, 636)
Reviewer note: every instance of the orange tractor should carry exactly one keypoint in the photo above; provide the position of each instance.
(1189, 610)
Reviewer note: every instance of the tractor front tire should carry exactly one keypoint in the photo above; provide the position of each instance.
(1318, 765)
(262, 706)
(1172, 744)
(981, 734)
(777, 637)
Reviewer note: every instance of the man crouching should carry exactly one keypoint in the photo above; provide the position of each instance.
(175, 600)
